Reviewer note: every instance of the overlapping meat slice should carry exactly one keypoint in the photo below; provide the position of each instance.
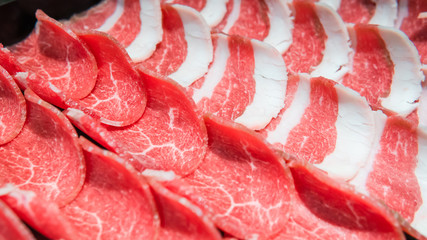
(186, 49)
(386, 68)
(55, 59)
(242, 183)
(320, 42)
(246, 82)
(41, 214)
(396, 169)
(10, 225)
(326, 209)
(324, 123)
(264, 20)
(45, 157)
(119, 97)
(169, 136)
(181, 219)
(13, 110)
(114, 203)
(136, 24)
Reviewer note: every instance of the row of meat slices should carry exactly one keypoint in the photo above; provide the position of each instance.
(152, 124)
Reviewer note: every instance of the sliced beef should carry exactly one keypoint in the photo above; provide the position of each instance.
(324, 123)
(246, 82)
(264, 20)
(326, 209)
(170, 135)
(45, 157)
(11, 226)
(242, 183)
(186, 49)
(379, 12)
(136, 24)
(385, 68)
(179, 218)
(119, 97)
(320, 42)
(56, 60)
(13, 110)
(41, 214)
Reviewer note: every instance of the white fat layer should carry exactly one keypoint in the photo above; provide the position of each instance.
(407, 77)
(150, 34)
(334, 4)
(234, 15)
(355, 127)
(111, 20)
(337, 51)
(353, 45)
(422, 108)
(75, 114)
(360, 180)
(422, 15)
(199, 46)
(293, 114)
(402, 12)
(420, 218)
(385, 13)
(281, 25)
(270, 87)
(159, 175)
(214, 11)
(21, 77)
(216, 70)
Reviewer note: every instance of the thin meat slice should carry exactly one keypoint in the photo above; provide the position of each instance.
(13, 110)
(213, 11)
(119, 97)
(264, 20)
(45, 157)
(246, 82)
(379, 12)
(396, 170)
(320, 42)
(11, 226)
(114, 203)
(242, 183)
(324, 123)
(186, 49)
(386, 68)
(326, 209)
(41, 214)
(170, 135)
(55, 58)
(136, 24)
(181, 219)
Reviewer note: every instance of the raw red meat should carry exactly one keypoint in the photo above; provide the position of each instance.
(242, 183)
(136, 24)
(326, 209)
(380, 12)
(186, 49)
(13, 110)
(170, 135)
(41, 214)
(119, 97)
(324, 123)
(11, 226)
(114, 203)
(56, 60)
(386, 68)
(45, 157)
(245, 83)
(179, 218)
(267, 21)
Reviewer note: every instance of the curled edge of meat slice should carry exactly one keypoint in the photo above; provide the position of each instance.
(13, 106)
(11, 226)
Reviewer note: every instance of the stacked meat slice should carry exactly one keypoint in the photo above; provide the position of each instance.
(266, 119)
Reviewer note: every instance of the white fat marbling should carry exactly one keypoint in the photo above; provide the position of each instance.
(233, 16)
(281, 25)
(214, 11)
(113, 18)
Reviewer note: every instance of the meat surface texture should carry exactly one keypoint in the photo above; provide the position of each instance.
(45, 157)
(232, 182)
(13, 109)
(170, 135)
(11, 226)
(379, 12)
(110, 189)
